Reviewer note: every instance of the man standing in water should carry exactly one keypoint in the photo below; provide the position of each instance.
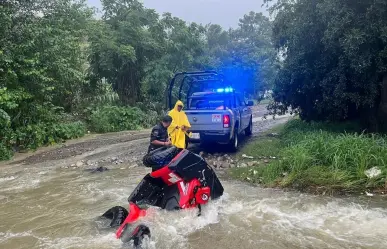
(159, 135)
(179, 126)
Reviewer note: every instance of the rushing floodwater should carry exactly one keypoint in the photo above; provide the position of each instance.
(59, 208)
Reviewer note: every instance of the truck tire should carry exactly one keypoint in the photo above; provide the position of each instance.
(249, 129)
(234, 143)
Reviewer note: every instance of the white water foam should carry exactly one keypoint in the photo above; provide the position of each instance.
(8, 235)
(6, 179)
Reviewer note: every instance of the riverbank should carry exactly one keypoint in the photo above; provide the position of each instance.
(109, 126)
(317, 158)
(62, 127)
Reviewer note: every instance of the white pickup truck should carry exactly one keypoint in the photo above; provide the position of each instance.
(216, 116)
(219, 117)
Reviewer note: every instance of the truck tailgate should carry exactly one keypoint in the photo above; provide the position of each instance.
(207, 120)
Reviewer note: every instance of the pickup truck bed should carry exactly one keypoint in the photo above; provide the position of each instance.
(208, 126)
(218, 117)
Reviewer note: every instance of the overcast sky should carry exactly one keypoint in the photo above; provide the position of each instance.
(223, 12)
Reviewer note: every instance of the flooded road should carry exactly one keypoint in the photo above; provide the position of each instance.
(50, 204)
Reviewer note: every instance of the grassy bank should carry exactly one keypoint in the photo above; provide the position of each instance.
(317, 157)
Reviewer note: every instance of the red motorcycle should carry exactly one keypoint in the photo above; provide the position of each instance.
(183, 181)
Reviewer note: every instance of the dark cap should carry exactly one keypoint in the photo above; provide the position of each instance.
(167, 119)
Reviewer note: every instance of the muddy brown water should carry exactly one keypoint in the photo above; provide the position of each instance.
(45, 206)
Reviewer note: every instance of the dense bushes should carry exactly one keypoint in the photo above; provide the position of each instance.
(5, 152)
(37, 135)
(34, 136)
(114, 118)
(61, 127)
(317, 157)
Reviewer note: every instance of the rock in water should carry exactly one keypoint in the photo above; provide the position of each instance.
(98, 169)
(101, 169)
(79, 164)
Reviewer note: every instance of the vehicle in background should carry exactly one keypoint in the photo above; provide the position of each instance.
(219, 114)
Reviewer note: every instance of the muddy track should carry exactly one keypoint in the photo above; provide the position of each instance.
(126, 148)
(79, 148)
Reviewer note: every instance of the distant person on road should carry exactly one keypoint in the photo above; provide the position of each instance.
(159, 135)
(179, 127)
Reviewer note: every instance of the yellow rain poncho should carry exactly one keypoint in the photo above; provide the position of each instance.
(178, 119)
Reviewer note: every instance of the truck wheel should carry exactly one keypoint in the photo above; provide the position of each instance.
(234, 143)
(249, 129)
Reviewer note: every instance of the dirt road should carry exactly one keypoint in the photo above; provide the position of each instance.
(123, 149)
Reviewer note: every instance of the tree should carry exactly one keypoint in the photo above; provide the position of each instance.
(182, 45)
(335, 59)
(251, 56)
(41, 57)
(127, 41)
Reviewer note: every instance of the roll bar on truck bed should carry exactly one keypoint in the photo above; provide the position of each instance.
(188, 79)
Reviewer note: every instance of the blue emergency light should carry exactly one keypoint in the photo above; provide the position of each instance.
(227, 90)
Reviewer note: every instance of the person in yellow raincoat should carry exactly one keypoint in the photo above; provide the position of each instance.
(179, 125)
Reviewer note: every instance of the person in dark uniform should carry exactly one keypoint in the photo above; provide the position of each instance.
(159, 135)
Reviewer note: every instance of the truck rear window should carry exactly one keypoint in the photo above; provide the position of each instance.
(210, 103)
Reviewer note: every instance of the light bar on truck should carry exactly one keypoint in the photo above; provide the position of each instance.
(227, 90)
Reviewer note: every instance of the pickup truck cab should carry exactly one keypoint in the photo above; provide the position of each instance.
(219, 117)
(217, 112)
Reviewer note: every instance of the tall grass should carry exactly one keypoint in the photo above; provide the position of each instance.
(320, 156)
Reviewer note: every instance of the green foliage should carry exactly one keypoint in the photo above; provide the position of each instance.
(122, 44)
(334, 59)
(253, 56)
(315, 157)
(37, 135)
(41, 55)
(114, 118)
(264, 147)
(59, 64)
(138, 52)
(34, 136)
(5, 153)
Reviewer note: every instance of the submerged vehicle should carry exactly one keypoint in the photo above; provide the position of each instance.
(179, 179)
